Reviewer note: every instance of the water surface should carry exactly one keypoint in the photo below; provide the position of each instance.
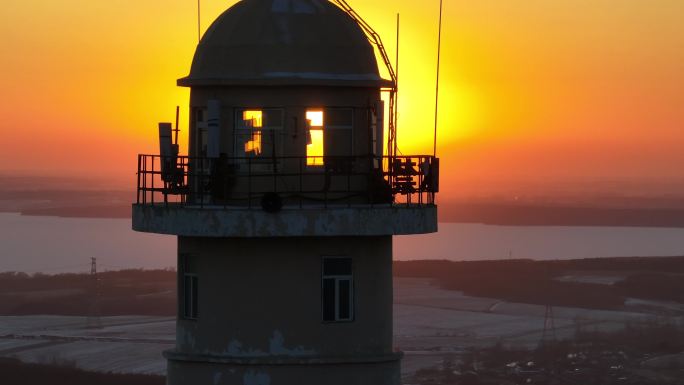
(53, 244)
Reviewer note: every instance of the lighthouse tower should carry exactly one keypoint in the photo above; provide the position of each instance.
(287, 202)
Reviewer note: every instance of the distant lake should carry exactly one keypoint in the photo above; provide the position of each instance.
(53, 244)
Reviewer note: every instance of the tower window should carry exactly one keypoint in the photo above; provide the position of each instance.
(337, 290)
(202, 135)
(338, 143)
(314, 140)
(253, 120)
(190, 288)
(258, 136)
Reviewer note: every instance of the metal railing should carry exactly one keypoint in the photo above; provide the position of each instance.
(287, 181)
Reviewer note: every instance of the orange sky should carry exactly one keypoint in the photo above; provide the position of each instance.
(535, 93)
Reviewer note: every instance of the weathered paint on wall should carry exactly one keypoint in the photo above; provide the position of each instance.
(364, 220)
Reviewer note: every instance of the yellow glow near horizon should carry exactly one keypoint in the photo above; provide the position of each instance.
(529, 90)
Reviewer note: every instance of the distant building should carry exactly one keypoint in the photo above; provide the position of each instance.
(286, 205)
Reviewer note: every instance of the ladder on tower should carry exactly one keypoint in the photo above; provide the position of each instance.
(375, 39)
(372, 36)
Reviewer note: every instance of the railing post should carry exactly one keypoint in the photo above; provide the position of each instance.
(275, 177)
(421, 176)
(326, 185)
(137, 190)
(153, 157)
(143, 192)
(184, 180)
(202, 183)
(370, 180)
(249, 183)
(301, 182)
(349, 176)
(144, 180)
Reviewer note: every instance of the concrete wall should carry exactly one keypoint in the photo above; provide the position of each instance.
(263, 297)
(215, 221)
(260, 311)
(187, 373)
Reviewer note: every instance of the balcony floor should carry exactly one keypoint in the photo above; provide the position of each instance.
(308, 221)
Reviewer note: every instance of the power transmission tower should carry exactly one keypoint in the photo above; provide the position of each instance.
(94, 311)
(549, 334)
(549, 325)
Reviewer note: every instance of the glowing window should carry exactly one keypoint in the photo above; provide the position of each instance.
(254, 120)
(258, 137)
(316, 118)
(315, 140)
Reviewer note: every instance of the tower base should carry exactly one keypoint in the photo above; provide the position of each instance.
(186, 369)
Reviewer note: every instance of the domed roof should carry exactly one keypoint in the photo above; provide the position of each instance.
(284, 42)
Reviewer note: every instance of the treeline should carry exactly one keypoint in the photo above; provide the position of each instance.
(153, 292)
(625, 264)
(558, 215)
(15, 372)
(667, 287)
(125, 292)
(19, 281)
(536, 282)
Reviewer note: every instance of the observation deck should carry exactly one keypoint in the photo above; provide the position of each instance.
(286, 196)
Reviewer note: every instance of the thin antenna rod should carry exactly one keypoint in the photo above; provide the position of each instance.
(396, 91)
(199, 25)
(439, 52)
(177, 129)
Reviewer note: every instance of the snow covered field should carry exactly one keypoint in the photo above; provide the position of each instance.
(431, 324)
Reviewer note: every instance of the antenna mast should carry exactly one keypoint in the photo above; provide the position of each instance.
(439, 53)
(199, 33)
(177, 130)
(396, 92)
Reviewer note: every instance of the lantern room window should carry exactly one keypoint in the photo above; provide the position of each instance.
(258, 135)
(253, 120)
(339, 127)
(315, 149)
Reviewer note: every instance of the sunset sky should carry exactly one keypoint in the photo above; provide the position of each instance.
(536, 94)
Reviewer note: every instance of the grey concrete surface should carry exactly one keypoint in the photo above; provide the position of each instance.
(211, 221)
